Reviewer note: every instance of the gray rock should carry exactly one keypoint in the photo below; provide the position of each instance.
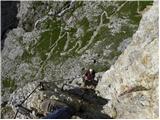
(55, 41)
(132, 82)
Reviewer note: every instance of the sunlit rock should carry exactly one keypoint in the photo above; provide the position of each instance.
(131, 83)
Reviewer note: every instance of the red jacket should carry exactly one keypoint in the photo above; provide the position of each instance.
(89, 76)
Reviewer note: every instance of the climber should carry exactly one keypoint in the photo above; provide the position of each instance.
(48, 104)
(49, 109)
(61, 113)
(88, 77)
(53, 109)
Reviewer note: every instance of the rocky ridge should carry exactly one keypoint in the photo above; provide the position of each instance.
(29, 55)
(131, 84)
(35, 51)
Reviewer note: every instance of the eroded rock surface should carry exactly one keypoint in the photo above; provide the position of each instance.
(58, 41)
(131, 84)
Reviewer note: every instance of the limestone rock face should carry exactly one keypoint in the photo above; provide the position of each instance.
(131, 84)
(58, 41)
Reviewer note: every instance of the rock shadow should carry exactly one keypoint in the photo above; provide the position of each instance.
(9, 20)
(96, 103)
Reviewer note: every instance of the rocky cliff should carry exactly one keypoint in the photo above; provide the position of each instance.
(57, 41)
(131, 84)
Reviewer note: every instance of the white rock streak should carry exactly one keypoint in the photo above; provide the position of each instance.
(50, 53)
(94, 35)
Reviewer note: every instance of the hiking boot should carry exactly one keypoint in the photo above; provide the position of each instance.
(50, 106)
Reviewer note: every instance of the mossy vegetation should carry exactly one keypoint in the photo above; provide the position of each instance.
(9, 84)
(55, 29)
(56, 33)
(7, 112)
(6, 109)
